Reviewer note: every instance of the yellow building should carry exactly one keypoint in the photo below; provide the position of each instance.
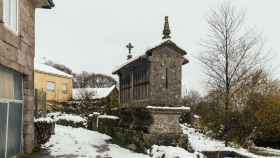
(56, 84)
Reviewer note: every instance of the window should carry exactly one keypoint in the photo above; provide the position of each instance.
(51, 86)
(64, 88)
(6, 85)
(166, 78)
(11, 14)
(11, 110)
(10, 84)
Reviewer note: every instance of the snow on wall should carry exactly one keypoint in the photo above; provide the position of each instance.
(108, 117)
(168, 108)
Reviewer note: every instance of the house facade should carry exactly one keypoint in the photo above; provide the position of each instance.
(56, 84)
(17, 49)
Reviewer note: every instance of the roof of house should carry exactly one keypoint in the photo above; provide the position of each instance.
(96, 93)
(40, 67)
(46, 4)
(167, 42)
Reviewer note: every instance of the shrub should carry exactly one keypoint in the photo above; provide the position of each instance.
(43, 128)
(69, 120)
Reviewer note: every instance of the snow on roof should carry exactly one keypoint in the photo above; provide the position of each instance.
(96, 93)
(128, 62)
(50, 70)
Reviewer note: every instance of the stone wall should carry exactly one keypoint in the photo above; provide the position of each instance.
(17, 53)
(139, 128)
(166, 61)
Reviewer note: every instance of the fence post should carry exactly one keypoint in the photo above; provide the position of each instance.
(36, 104)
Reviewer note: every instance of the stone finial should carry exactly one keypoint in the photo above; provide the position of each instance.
(129, 46)
(166, 31)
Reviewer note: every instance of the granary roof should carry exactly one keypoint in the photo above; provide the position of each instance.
(131, 60)
(170, 43)
(46, 4)
(97, 93)
(40, 67)
(149, 52)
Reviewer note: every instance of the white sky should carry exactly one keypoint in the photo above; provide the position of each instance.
(92, 35)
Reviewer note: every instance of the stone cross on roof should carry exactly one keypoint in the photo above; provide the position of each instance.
(166, 31)
(129, 46)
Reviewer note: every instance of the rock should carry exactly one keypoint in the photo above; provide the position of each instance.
(132, 147)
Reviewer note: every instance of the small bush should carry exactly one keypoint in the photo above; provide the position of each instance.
(68, 119)
(44, 128)
(74, 124)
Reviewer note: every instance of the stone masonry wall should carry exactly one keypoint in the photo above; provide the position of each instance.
(162, 60)
(165, 123)
(138, 128)
(17, 52)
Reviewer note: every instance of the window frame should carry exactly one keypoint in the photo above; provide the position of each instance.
(64, 91)
(54, 86)
(7, 19)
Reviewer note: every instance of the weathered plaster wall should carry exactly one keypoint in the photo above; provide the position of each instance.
(41, 80)
(17, 52)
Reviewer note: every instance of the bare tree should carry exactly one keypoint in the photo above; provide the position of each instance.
(192, 98)
(93, 80)
(232, 53)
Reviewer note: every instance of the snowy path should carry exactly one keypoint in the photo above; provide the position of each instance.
(71, 142)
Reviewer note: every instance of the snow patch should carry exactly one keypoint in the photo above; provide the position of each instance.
(68, 117)
(84, 143)
(108, 117)
(169, 152)
(94, 114)
(199, 142)
(44, 119)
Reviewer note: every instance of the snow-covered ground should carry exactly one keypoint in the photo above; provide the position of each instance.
(200, 142)
(83, 143)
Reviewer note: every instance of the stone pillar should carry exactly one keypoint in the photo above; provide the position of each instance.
(165, 121)
(165, 128)
(28, 120)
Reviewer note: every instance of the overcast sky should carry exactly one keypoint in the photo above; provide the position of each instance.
(91, 35)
